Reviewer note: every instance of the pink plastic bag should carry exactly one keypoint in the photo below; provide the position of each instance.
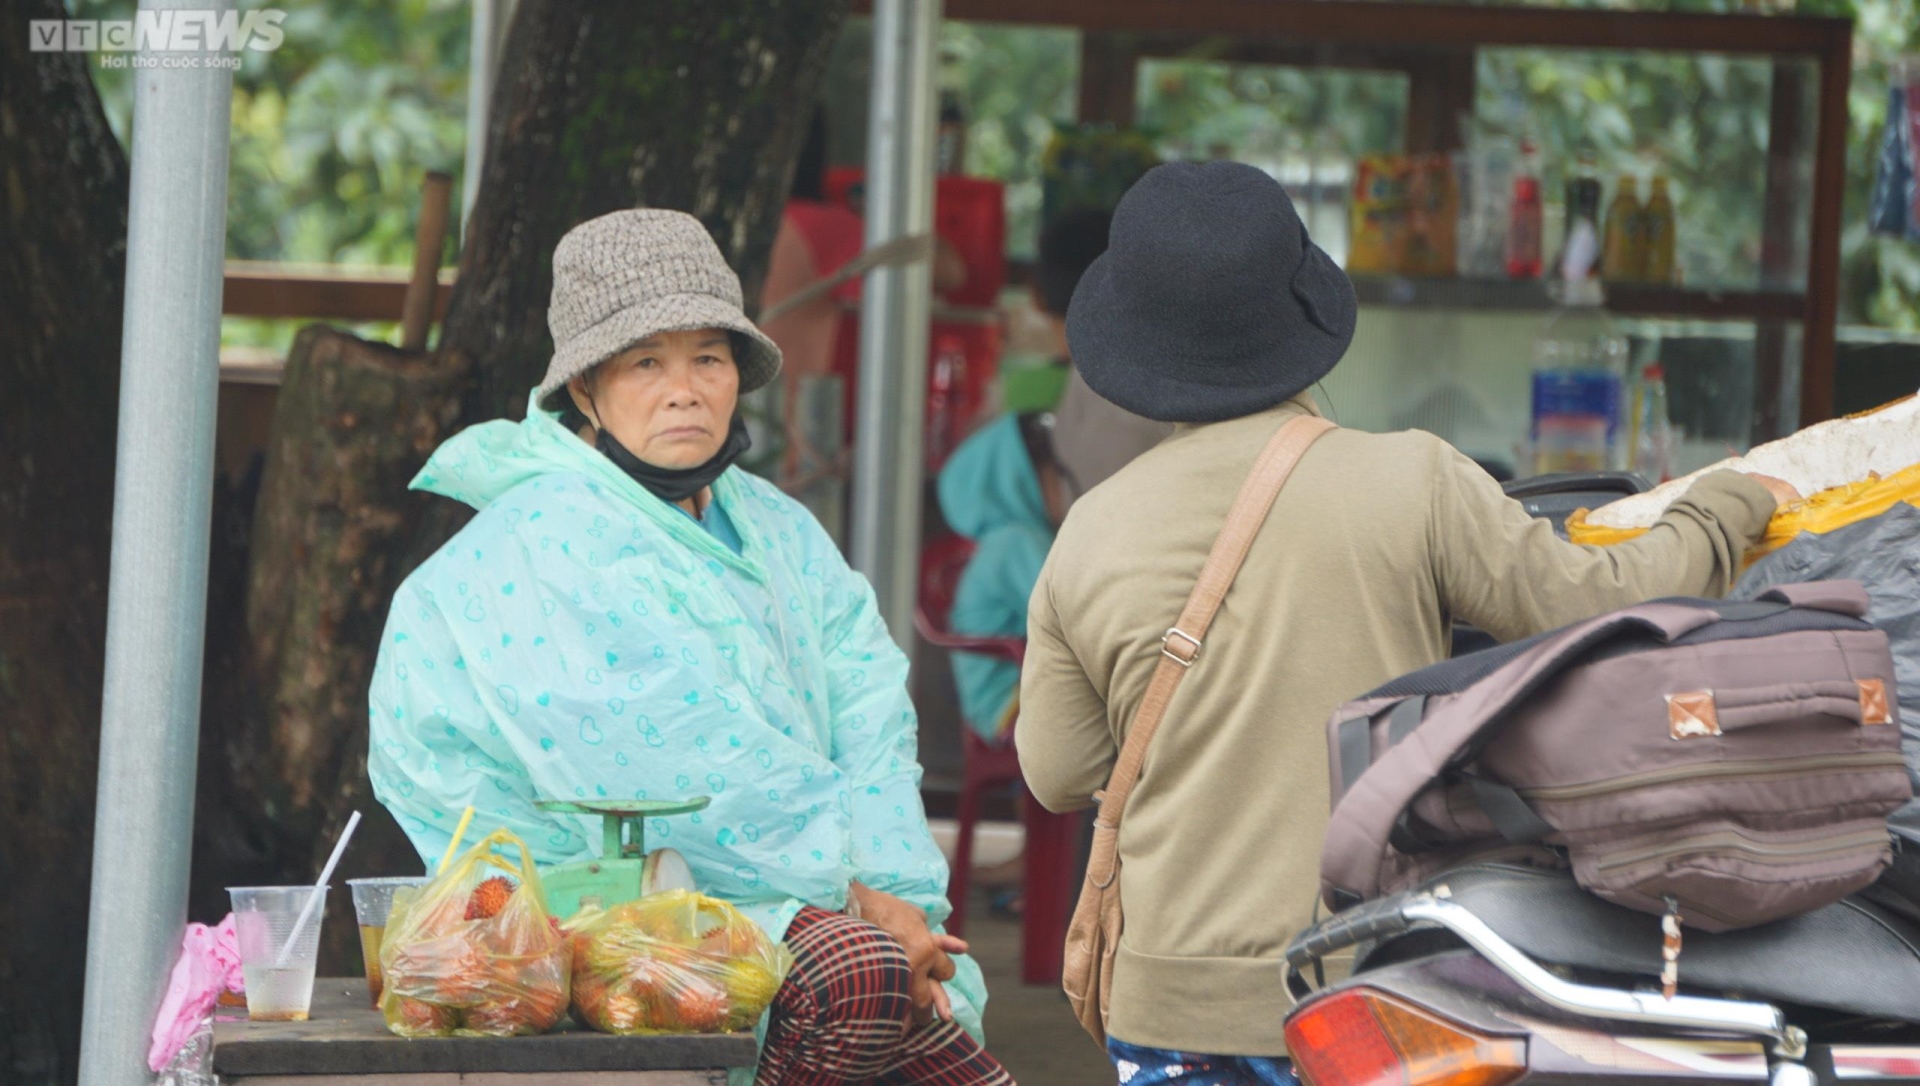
(209, 964)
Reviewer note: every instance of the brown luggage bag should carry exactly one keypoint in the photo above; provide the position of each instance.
(1735, 762)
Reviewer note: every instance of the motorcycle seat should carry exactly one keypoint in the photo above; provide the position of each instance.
(1852, 957)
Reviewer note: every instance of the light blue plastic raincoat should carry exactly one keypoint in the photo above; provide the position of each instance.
(990, 493)
(582, 639)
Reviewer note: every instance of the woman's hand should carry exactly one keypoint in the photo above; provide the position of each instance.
(928, 954)
(1783, 492)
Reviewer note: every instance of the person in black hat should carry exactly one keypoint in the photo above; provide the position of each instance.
(1214, 310)
(1210, 302)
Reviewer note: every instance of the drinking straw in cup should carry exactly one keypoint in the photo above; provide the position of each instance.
(453, 846)
(319, 895)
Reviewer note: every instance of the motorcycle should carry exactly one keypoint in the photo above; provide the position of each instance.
(1498, 974)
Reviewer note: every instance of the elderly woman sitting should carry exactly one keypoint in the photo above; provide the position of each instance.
(627, 617)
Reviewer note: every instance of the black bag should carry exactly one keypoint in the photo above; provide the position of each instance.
(1882, 553)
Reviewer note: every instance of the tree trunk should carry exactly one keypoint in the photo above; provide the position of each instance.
(63, 230)
(699, 105)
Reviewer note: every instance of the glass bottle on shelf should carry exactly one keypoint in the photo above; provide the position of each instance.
(1657, 232)
(1582, 211)
(1579, 376)
(1523, 230)
(1649, 431)
(1524, 218)
(1331, 186)
(1623, 258)
(950, 138)
(1486, 201)
(944, 387)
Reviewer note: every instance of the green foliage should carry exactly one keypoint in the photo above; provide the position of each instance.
(333, 131)
(332, 135)
(1014, 83)
(1882, 275)
(1200, 108)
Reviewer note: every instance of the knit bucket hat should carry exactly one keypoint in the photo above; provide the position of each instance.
(628, 275)
(1210, 302)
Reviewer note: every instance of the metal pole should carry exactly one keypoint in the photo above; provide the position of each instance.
(487, 33)
(162, 508)
(889, 457)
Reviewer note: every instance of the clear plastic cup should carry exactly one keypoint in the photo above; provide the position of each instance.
(372, 901)
(263, 918)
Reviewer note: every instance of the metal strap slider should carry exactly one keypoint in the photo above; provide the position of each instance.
(1168, 650)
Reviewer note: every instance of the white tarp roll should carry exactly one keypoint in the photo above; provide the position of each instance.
(1820, 457)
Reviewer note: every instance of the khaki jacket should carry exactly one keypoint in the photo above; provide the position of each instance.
(1376, 544)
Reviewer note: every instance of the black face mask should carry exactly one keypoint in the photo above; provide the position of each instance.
(676, 484)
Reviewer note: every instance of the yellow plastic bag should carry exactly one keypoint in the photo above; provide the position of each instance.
(474, 952)
(673, 962)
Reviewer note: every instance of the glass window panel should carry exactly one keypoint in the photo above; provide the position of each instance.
(1013, 83)
(1701, 120)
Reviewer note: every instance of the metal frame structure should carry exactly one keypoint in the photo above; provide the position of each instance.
(162, 524)
(1434, 45)
(889, 461)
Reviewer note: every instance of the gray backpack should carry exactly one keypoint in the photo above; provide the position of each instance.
(1733, 761)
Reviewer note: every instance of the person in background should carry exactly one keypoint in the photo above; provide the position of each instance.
(1213, 310)
(992, 493)
(816, 239)
(1092, 438)
(1003, 491)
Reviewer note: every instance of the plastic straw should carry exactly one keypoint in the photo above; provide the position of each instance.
(319, 891)
(453, 846)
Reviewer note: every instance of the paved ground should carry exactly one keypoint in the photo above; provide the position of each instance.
(1030, 1029)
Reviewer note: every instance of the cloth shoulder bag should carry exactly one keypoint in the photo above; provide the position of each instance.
(1094, 933)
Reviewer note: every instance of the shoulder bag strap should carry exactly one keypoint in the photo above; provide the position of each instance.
(1181, 645)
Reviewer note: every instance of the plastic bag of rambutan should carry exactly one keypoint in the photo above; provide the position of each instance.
(475, 952)
(673, 962)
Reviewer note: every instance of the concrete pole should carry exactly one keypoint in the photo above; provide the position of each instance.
(889, 456)
(162, 508)
(487, 34)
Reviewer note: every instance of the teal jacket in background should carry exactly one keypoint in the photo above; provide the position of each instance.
(582, 639)
(990, 493)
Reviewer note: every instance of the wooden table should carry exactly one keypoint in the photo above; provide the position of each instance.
(345, 1043)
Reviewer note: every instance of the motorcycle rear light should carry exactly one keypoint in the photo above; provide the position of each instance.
(1363, 1037)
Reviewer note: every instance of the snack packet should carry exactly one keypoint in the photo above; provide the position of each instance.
(1381, 188)
(673, 962)
(475, 952)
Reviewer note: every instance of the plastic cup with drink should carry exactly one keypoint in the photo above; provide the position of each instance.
(372, 902)
(277, 959)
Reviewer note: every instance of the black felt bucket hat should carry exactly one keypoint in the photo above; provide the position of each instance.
(1210, 302)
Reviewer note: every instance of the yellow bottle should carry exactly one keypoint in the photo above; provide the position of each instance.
(1657, 229)
(1621, 250)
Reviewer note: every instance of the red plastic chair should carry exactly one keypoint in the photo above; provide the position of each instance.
(1048, 860)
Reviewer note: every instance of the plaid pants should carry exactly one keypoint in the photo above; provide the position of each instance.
(845, 1015)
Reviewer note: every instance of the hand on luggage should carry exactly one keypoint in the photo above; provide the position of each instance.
(1783, 492)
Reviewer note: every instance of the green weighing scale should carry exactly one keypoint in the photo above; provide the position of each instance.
(625, 870)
